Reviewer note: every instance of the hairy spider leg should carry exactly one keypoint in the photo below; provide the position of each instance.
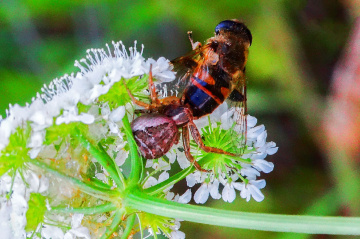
(197, 137)
(186, 143)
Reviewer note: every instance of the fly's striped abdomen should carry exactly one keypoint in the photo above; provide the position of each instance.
(207, 89)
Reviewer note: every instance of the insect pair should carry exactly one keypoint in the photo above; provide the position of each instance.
(207, 76)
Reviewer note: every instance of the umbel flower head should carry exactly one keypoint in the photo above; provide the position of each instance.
(69, 164)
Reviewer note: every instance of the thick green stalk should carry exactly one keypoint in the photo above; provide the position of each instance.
(107, 207)
(85, 187)
(256, 221)
(114, 225)
(136, 160)
(129, 226)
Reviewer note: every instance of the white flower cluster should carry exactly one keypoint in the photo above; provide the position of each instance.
(253, 164)
(99, 71)
(251, 167)
(13, 210)
(58, 102)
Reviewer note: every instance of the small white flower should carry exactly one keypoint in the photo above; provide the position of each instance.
(157, 164)
(185, 198)
(177, 235)
(202, 194)
(206, 189)
(117, 114)
(263, 165)
(252, 189)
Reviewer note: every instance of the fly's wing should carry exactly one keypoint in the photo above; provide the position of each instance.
(237, 103)
(184, 67)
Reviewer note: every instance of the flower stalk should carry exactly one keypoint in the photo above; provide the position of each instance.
(244, 220)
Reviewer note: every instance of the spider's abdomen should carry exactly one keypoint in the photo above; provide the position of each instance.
(154, 134)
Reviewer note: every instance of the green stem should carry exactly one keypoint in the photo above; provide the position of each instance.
(107, 207)
(85, 187)
(119, 173)
(129, 226)
(103, 158)
(136, 160)
(114, 225)
(8, 195)
(246, 220)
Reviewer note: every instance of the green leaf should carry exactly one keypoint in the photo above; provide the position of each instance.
(35, 213)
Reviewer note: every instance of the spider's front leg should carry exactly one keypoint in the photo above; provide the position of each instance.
(153, 95)
(197, 137)
(186, 143)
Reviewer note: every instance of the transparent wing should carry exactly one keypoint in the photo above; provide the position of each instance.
(237, 102)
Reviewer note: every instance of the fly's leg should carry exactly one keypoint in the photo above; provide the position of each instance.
(195, 45)
(197, 137)
(186, 143)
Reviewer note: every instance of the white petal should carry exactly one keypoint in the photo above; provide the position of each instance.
(256, 193)
(228, 193)
(254, 132)
(81, 232)
(114, 128)
(117, 114)
(214, 189)
(263, 165)
(258, 183)
(76, 220)
(163, 176)
(51, 232)
(150, 182)
(186, 197)
(190, 180)
(86, 118)
(149, 163)
(202, 194)
(251, 121)
(177, 235)
(271, 148)
(182, 160)
(261, 139)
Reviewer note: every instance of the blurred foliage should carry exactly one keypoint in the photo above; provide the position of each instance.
(296, 45)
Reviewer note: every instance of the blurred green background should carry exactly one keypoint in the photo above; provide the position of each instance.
(297, 47)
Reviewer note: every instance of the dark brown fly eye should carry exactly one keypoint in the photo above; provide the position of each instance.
(214, 45)
(234, 27)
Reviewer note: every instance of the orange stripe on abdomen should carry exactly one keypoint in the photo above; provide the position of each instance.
(198, 85)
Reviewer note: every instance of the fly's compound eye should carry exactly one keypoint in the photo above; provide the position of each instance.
(234, 26)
